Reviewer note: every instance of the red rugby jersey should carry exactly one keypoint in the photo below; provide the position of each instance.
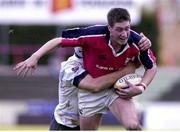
(99, 59)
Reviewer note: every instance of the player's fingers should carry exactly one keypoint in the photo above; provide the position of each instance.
(20, 70)
(143, 47)
(25, 71)
(146, 44)
(121, 93)
(18, 66)
(122, 90)
(142, 34)
(32, 70)
(143, 41)
(129, 83)
(143, 38)
(124, 93)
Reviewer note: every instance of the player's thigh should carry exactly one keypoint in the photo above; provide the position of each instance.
(125, 112)
(90, 123)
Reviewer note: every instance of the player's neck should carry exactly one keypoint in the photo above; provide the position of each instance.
(116, 46)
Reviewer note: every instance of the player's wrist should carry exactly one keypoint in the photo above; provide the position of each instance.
(142, 86)
(36, 56)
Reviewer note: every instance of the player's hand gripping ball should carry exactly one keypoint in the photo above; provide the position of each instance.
(132, 78)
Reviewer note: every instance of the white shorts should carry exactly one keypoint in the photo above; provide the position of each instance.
(95, 103)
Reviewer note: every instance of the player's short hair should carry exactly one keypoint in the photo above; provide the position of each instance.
(117, 15)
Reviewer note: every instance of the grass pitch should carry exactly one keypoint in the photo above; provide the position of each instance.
(46, 128)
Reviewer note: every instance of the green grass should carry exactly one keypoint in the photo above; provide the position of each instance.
(102, 128)
(25, 127)
(46, 127)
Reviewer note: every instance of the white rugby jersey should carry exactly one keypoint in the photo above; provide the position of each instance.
(66, 112)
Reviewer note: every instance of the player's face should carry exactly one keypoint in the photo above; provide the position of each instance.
(119, 33)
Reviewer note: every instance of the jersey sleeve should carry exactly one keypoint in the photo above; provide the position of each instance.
(78, 32)
(78, 78)
(73, 42)
(146, 57)
(73, 37)
(134, 38)
(73, 33)
(71, 73)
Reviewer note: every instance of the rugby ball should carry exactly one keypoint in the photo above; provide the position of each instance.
(132, 78)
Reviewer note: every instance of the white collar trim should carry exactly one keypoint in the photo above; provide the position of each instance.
(119, 53)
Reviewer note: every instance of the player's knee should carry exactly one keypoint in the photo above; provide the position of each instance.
(133, 126)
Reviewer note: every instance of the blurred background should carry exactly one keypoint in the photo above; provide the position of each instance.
(28, 103)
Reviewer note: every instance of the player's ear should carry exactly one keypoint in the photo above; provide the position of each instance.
(109, 28)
